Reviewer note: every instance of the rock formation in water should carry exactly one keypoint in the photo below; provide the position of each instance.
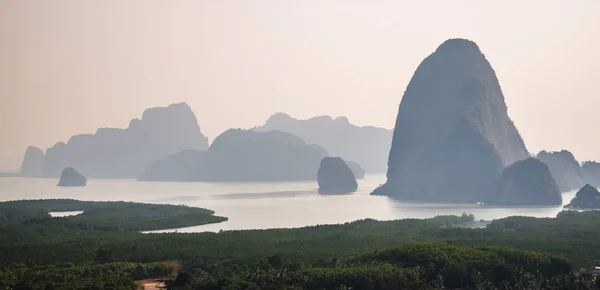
(32, 162)
(71, 177)
(592, 172)
(357, 170)
(181, 166)
(587, 197)
(367, 145)
(453, 136)
(335, 175)
(527, 182)
(565, 168)
(124, 153)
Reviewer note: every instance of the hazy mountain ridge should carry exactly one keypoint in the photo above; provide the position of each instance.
(565, 168)
(242, 155)
(181, 166)
(123, 153)
(369, 146)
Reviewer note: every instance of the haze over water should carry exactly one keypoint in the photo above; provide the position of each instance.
(262, 205)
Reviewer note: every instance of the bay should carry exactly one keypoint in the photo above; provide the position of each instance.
(263, 205)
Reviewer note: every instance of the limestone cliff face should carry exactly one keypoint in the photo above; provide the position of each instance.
(453, 136)
(527, 182)
(124, 153)
(335, 175)
(32, 162)
(367, 145)
(565, 168)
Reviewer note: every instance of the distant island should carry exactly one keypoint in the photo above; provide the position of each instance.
(121, 153)
(592, 169)
(10, 174)
(369, 146)
(71, 177)
(526, 182)
(33, 162)
(587, 197)
(453, 136)
(242, 155)
(565, 168)
(335, 176)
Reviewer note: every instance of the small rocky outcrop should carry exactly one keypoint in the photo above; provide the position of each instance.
(32, 162)
(124, 153)
(527, 182)
(567, 171)
(453, 136)
(72, 177)
(357, 170)
(180, 166)
(335, 175)
(369, 146)
(587, 197)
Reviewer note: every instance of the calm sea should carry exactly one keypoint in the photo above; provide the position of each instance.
(262, 205)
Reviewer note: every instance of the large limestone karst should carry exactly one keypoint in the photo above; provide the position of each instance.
(526, 182)
(587, 197)
(453, 136)
(72, 177)
(33, 161)
(565, 168)
(335, 175)
(369, 146)
(124, 153)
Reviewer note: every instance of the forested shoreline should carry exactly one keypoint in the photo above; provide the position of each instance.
(41, 252)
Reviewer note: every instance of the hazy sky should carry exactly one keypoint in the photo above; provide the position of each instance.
(69, 67)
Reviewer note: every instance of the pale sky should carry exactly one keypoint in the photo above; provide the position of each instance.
(69, 67)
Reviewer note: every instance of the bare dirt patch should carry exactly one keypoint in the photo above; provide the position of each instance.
(152, 284)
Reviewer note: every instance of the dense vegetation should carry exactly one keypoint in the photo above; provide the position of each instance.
(421, 266)
(120, 275)
(37, 250)
(127, 216)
